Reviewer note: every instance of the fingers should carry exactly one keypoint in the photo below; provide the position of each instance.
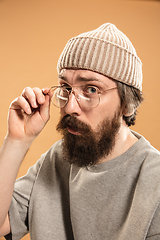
(34, 96)
(31, 98)
(21, 103)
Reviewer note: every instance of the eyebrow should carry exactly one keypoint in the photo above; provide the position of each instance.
(84, 79)
(79, 78)
(62, 77)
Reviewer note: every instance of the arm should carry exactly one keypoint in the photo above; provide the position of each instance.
(27, 116)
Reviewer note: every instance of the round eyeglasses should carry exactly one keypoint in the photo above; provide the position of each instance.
(86, 96)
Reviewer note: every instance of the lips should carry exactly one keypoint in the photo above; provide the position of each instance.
(73, 130)
(73, 126)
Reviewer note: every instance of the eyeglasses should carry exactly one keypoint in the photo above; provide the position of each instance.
(87, 96)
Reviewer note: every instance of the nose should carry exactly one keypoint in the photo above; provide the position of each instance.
(72, 107)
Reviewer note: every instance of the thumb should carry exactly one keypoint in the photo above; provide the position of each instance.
(45, 109)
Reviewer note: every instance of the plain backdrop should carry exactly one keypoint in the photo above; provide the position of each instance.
(34, 32)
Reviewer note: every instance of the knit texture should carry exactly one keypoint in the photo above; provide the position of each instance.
(105, 50)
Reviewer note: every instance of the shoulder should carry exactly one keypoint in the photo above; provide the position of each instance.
(149, 174)
(55, 152)
(147, 158)
(52, 162)
(145, 150)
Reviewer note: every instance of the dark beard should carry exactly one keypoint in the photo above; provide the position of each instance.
(90, 146)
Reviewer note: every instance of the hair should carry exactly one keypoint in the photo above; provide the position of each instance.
(131, 98)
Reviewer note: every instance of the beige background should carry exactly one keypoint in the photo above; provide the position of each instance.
(33, 34)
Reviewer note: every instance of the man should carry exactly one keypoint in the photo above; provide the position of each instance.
(101, 181)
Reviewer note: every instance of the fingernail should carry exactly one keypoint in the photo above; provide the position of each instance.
(34, 104)
(28, 111)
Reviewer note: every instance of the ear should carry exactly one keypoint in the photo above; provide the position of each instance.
(128, 111)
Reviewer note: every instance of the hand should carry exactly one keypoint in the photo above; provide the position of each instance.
(29, 113)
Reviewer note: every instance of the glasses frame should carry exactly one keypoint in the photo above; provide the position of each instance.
(53, 88)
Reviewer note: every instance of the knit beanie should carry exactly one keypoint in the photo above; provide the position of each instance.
(105, 50)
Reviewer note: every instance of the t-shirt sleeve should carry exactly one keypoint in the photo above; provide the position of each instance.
(18, 212)
(154, 230)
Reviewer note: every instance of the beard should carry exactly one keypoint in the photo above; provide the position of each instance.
(89, 146)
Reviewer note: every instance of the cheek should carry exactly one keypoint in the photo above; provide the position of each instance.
(62, 113)
(109, 106)
(95, 117)
(103, 111)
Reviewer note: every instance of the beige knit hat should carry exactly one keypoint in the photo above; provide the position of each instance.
(105, 50)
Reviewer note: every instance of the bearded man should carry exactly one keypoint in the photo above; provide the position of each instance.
(101, 181)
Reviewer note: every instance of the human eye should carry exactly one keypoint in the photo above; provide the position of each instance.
(65, 86)
(91, 90)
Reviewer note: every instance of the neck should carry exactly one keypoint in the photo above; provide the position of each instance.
(124, 140)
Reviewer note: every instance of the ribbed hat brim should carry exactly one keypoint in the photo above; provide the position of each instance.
(103, 56)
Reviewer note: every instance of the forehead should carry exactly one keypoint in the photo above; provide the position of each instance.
(77, 76)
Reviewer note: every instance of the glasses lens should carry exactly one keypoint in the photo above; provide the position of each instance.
(88, 100)
(60, 97)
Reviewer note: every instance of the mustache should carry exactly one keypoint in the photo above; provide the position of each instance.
(74, 123)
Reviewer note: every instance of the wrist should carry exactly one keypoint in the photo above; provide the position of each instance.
(16, 146)
(18, 141)
(12, 153)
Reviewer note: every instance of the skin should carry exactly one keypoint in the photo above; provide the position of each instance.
(23, 113)
(17, 142)
(107, 107)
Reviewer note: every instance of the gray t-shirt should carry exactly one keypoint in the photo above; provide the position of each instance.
(115, 200)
